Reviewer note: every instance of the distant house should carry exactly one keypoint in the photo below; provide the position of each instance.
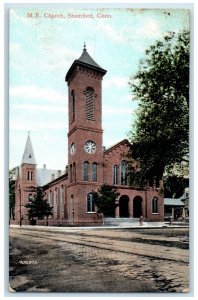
(185, 199)
(177, 208)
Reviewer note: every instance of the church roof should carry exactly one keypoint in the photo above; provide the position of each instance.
(85, 60)
(28, 155)
(44, 176)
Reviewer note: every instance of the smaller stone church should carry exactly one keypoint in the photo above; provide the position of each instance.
(90, 165)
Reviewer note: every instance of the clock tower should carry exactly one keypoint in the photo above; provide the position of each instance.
(85, 146)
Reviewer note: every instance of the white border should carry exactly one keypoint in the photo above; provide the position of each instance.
(3, 150)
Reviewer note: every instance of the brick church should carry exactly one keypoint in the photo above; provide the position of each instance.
(90, 165)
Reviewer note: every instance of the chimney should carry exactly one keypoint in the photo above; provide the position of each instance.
(53, 176)
(44, 166)
(59, 173)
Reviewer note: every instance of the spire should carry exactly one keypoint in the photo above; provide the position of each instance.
(87, 61)
(28, 155)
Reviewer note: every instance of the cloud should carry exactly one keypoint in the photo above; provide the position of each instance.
(68, 53)
(149, 28)
(33, 126)
(112, 33)
(145, 27)
(45, 108)
(118, 100)
(119, 82)
(56, 57)
(118, 110)
(35, 92)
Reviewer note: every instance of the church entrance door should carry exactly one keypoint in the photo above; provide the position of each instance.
(137, 207)
(124, 206)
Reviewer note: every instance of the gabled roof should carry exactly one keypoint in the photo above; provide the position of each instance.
(28, 155)
(85, 60)
(173, 202)
(125, 141)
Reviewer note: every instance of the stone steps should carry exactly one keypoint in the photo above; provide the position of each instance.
(120, 221)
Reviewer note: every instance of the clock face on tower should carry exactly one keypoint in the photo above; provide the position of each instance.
(72, 148)
(90, 147)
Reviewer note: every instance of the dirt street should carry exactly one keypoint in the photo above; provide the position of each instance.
(99, 260)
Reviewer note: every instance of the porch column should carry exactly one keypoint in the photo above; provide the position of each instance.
(173, 212)
(117, 210)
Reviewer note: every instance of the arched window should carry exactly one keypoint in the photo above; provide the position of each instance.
(73, 105)
(115, 175)
(123, 172)
(28, 175)
(90, 203)
(74, 172)
(86, 171)
(62, 198)
(55, 200)
(50, 198)
(155, 205)
(89, 103)
(71, 177)
(31, 176)
(30, 197)
(94, 172)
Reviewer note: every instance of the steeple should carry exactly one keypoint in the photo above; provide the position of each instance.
(28, 155)
(87, 61)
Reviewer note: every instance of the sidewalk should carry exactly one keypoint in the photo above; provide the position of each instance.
(134, 225)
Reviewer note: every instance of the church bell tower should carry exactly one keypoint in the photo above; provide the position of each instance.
(85, 145)
(26, 182)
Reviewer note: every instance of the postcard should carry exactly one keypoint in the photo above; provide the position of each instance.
(99, 150)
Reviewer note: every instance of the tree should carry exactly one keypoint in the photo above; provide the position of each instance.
(174, 186)
(105, 200)
(11, 196)
(39, 207)
(160, 133)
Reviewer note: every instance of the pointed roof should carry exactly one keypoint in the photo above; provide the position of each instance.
(85, 60)
(28, 155)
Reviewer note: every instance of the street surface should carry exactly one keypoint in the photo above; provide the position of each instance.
(99, 260)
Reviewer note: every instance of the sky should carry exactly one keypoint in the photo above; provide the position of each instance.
(41, 50)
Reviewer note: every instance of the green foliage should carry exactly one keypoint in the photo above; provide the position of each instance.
(39, 207)
(105, 200)
(161, 131)
(174, 186)
(11, 196)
